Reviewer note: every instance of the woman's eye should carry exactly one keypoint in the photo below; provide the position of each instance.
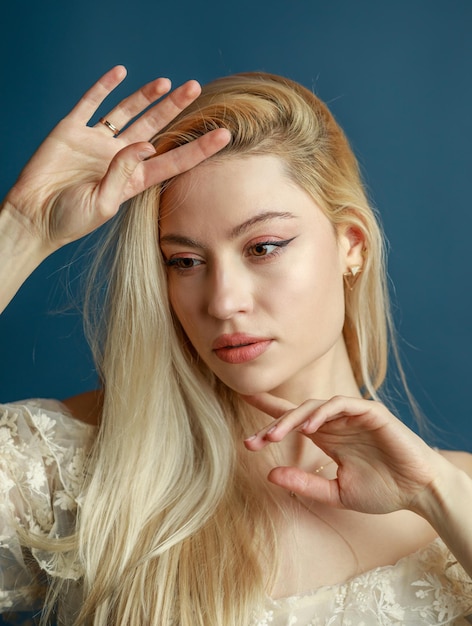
(268, 248)
(263, 249)
(183, 263)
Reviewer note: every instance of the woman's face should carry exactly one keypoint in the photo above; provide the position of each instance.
(255, 274)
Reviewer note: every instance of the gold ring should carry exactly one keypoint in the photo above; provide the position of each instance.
(109, 125)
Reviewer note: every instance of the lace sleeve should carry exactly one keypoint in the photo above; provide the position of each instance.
(42, 453)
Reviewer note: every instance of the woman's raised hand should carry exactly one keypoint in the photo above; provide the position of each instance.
(382, 465)
(80, 174)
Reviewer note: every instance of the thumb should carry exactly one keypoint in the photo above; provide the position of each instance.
(121, 169)
(307, 485)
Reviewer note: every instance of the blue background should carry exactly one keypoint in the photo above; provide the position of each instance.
(398, 77)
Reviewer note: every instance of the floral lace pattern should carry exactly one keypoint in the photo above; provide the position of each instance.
(42, 452)
(428, 587)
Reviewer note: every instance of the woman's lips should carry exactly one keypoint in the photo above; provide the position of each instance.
(239, 348)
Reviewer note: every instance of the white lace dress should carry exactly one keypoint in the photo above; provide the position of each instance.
(427, 587)
(42, 452)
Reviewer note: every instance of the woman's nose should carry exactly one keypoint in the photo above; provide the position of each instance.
(229, 293)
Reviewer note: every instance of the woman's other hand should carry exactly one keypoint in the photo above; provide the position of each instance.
(382, 465)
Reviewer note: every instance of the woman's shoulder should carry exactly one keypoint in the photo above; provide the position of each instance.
(459, 458)
(44, 420)
(86, 407)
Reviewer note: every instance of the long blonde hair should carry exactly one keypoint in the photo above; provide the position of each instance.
(172, 530)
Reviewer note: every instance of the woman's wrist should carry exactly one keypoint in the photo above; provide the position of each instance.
(21, 251)
(442, 494)
(16, 234)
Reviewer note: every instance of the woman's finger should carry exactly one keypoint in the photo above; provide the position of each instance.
(158, 116)
(183, 158)
(135, 104)
(307, 485)
(93, 98)
(113, 188)
(308, 417)
(285, 420)
(346, 407)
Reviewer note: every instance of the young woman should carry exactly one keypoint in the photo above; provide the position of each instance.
(242, 468)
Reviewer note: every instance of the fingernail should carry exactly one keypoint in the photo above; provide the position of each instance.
(250, 438)
(145, 154)
(271, 429)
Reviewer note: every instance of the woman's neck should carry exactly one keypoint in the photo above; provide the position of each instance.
(329, 376)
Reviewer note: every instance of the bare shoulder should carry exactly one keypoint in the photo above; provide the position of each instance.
(86, 407)
(462, 460)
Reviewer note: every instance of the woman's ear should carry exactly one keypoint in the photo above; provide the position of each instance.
(352, 245)
(351, 242)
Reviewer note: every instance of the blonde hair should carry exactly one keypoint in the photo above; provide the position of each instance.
(172, 529)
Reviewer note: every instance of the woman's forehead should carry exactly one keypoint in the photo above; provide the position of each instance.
(233, 196)
(255, 180)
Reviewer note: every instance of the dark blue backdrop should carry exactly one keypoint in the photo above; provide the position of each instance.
(398, 76)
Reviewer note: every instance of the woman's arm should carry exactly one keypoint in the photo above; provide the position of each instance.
(81, 174)
(447, 505)
(20, 254)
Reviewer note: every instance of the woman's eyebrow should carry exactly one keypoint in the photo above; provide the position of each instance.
(238, 230)
(181, 240)
(266, 216)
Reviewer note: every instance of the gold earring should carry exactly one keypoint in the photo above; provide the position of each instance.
(351, 276)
